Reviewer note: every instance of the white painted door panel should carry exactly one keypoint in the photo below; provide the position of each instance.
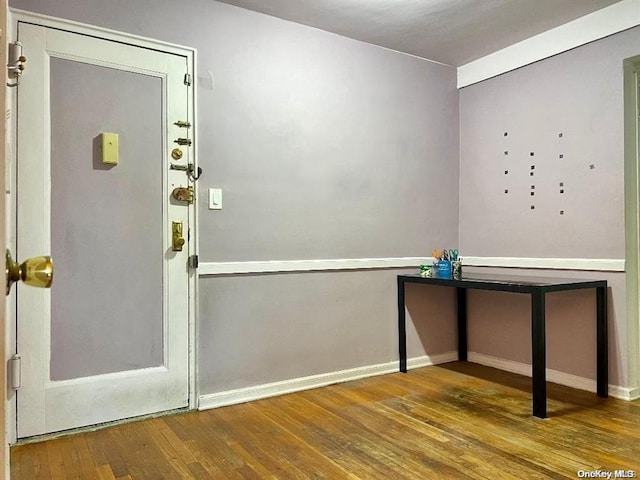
(111, 340)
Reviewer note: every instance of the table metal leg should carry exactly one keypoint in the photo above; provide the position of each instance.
(402, 328)
(461, 294)
(538, 350)
(602, 343)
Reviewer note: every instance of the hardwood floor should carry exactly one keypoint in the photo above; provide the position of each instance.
(457, 420)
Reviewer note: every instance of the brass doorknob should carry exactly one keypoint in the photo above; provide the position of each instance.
(36, 271)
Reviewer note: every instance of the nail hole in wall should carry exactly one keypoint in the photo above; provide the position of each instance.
(506, 172)
(560, 135)
(561, 212)
(562, 184)
(561, 155)
(531, 174)
(506, 190)
(533, 187)
(533, 167)
(562, 190)
(533, 207)
(592, 166)
(506, 152)
(506, 133)
(531, 154)
(533, 193)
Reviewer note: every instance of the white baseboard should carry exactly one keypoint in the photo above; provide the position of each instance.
(554, 376)
(427, 360)
(241, 395)
(624, 393)
(257, 392)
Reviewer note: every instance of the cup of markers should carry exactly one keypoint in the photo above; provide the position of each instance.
(446, 264)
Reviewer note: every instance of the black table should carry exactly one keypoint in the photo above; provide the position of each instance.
(537, 287)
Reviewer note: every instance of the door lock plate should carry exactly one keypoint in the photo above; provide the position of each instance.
(183, 194)
(177, 240)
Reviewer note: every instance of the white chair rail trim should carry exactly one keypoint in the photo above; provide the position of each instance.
(284, 266)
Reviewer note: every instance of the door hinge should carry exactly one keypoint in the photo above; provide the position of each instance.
(193, 261)
(15, 367)
(15, 63)
(187, 79)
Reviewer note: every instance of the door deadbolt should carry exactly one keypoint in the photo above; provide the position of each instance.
(183, 194)
(35, 272)
(177, 240)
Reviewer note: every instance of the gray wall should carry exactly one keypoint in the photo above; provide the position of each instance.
(500, 325)
(324, 147)
(266, 328)
(579, 94)
(330, 148)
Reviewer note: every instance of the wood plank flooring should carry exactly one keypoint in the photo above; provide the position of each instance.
(452, 421)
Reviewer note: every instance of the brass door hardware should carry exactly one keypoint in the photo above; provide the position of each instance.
(182, 124)
(183, 194)
(177, 240)
(183, 141)
(193, 172)
(36, 271)
(176, 154)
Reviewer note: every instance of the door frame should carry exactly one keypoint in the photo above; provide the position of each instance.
(16, 16)
(632, 219)
(4, 403)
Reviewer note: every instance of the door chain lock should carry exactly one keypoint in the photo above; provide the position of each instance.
(192, 171)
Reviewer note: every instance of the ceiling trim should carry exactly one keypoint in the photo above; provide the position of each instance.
(602, 23)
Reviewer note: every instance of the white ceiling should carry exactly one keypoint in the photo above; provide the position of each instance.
(454, 32)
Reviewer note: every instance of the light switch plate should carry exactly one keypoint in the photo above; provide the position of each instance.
(215, 199)
(110, 148)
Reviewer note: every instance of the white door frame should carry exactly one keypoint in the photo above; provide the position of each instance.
(4, 410)
(16, 16)
(632, 219)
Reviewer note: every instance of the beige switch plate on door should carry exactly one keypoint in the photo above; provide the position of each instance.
(109, 148)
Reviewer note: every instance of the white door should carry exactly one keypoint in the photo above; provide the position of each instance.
(110, 339)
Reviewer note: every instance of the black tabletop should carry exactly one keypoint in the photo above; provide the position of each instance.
(511, 283)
